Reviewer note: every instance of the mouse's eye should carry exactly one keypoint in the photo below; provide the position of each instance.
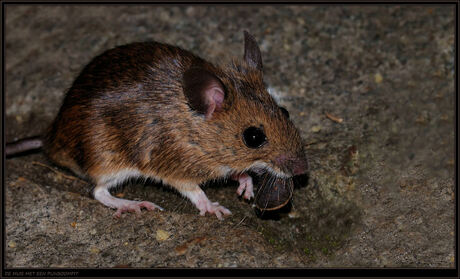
(254, 137)
(285, 112)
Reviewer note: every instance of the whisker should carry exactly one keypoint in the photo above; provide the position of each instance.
(270, 183)
(239, 223)
(281, 182)
(261, 187)
(273, 192)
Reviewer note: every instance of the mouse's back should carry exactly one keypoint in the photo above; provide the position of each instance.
(123, 99)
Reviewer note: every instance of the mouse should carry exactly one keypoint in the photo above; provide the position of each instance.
(158, 111)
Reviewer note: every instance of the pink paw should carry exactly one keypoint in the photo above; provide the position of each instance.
(246, 186)
(213, 208)
(199, 199)
(135, 206)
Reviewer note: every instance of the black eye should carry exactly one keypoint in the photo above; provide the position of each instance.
(284, 111)
(254, 137)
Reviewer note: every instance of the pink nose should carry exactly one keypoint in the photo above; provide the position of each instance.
(296, 165)
(300, 166)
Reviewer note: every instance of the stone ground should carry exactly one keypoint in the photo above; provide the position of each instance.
(380, 191)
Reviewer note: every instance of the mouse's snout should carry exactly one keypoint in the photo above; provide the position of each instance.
(295, 165)
(300, 166)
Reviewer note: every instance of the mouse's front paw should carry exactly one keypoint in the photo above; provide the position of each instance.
(218, 209)
(246, 186)
(199, 199)
(213, 208)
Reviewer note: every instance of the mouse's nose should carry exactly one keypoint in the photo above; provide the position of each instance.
(296, 165)
(300, 166)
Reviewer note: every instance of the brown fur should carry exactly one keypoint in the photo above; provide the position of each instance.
(127, 109)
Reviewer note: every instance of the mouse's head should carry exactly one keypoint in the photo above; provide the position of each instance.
(244, 128)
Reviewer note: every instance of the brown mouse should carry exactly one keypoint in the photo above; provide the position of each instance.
(155, 110)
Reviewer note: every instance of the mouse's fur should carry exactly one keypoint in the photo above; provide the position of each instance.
(156, 110)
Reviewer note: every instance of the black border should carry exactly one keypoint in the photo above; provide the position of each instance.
(236, 272)
(228, 272)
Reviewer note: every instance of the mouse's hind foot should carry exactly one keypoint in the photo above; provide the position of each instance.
(135, 206)
(103, 195)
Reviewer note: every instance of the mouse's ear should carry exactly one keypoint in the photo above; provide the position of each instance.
(252, 54)
(204, 91)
